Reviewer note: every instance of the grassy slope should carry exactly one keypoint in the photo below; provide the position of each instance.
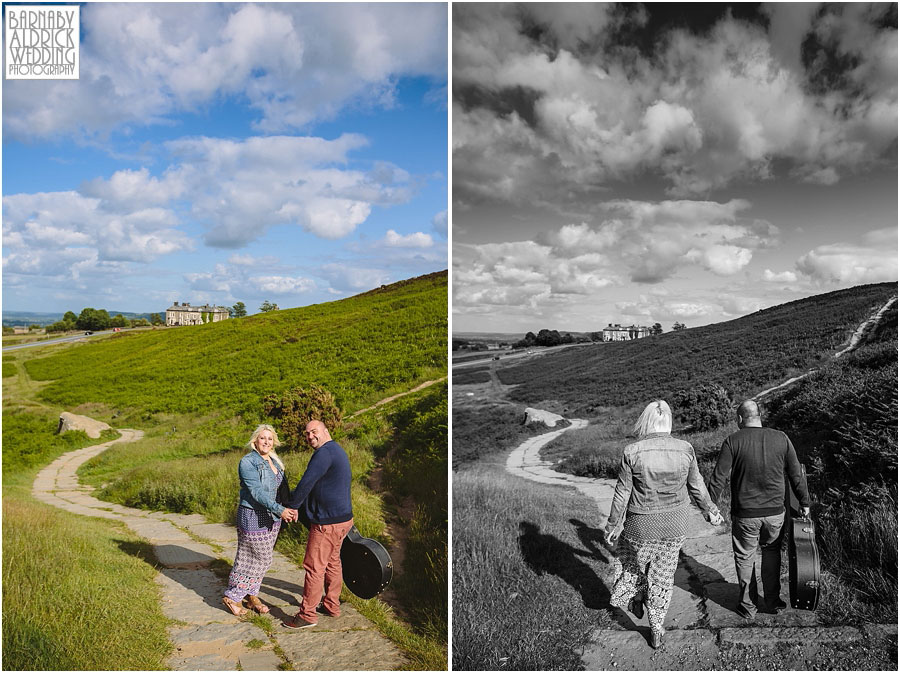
(744, 355)
(361, 349)
(78, 576)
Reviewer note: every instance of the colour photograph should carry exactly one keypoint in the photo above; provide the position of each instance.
(225, 336)
(674, 336)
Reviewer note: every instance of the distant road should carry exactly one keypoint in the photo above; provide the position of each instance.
(59, 340)
(507, 355)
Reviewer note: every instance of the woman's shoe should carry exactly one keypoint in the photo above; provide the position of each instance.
(636, 608)
(236, 608)
(655, 638)
(256, 605)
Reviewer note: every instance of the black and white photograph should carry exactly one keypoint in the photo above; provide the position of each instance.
(674, 336)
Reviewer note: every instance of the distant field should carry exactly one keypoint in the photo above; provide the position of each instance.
(744, 355)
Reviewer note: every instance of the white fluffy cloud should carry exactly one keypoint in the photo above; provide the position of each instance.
(703, 111)
(439, 223)
(241, 188)
(348, 278)
(282, 285)
(294, 63)
(414, 240)
(872, 260)
(65, 230)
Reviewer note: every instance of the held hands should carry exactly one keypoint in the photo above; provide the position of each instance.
(715, 518)
(611, 539)
(289, 514)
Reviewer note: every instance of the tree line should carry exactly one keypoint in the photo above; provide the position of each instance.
(547, 337)
(91, 319)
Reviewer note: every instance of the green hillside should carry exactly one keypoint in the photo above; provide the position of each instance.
(360, 348)
(745, 355)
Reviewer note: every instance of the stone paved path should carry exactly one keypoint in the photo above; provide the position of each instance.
(701, 617)
(208, 636)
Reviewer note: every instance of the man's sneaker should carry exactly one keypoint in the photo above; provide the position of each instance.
(744, 612)
(297, 622)
(322, 611)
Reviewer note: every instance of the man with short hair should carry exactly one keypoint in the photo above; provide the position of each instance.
(756, 460)
(324, 495)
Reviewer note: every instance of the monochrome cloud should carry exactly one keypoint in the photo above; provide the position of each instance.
(871, 260)
(562, 101)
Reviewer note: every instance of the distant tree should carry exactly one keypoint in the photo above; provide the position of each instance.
(34, 327)
(656, 329)
(59, 326)
(238, 310)
(156, 319)
(548, 337)
(266, 307)
(677, 327)
(596, 336)
(7, 331)
(119, 320)
(70, 317)
(704, 407)
(92, 319)
(567, 339)
(292, 409)
(139, 322)
(459, 344)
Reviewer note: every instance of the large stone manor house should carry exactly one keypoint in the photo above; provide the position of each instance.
(185, 314)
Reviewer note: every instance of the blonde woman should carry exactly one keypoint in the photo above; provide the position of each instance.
(650, 511)
(258, 521)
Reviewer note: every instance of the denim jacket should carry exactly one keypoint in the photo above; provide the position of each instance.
(656, 475)
(258, 483)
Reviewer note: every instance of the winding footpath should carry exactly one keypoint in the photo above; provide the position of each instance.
(206, 636)
(701, 618)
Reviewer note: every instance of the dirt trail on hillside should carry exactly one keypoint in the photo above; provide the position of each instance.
(419, 387)
(703, 632)
(865, 328)
(207, 636)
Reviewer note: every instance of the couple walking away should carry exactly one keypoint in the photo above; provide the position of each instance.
(648, 520)
(323, 493)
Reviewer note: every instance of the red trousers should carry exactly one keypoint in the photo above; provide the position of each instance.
(322, 564)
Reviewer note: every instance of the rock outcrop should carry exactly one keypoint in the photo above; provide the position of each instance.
(540, 416)
(68, 421)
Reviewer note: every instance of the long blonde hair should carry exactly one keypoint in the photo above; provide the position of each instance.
(656, 417)
(275, 441)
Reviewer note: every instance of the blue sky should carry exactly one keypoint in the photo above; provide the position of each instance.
(632, 163)
(295, 153)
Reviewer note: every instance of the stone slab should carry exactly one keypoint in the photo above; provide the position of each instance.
(191, 636)
(183, 555)
(217, 532)
(193, 596)
(609, 650)
(262, 660)
(310, 650)
(205, 662)
(789, 635)
(157, 531)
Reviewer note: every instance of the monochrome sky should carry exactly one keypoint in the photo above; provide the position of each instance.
(295, 153)
(667, 162)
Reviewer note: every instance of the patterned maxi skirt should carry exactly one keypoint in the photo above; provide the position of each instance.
(257, 532)
(647, 559)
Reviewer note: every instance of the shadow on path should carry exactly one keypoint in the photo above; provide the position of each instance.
(546, 554)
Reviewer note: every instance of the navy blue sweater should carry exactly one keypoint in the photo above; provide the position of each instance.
(324, 489)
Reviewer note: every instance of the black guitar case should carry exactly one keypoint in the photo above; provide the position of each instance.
(367, 566)
(803, 555)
